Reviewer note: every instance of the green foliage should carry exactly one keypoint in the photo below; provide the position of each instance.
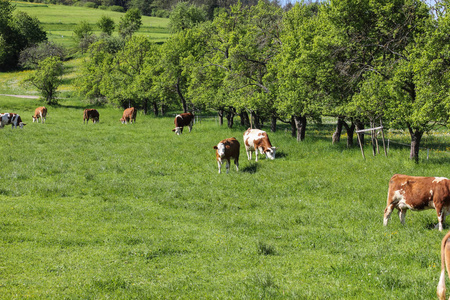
(82, 30)
(130, 23)
(17, 31)
(185, 16)
(106, 24)
(31, 56)
(47, 78)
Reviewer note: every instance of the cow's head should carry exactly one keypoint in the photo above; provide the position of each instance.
(220, 149)
(21, 124)
(270, 152)
(178, 130)
(123, 120)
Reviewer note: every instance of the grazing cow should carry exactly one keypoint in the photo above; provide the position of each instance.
(445, 264)
(418, 193)
(129, 114)
(40, 113)
(11, 118)
(226, 149)
(181, 120)
(254, 140)
(90, 113)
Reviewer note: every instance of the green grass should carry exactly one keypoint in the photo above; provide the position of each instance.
(136, 212)
(59, 21)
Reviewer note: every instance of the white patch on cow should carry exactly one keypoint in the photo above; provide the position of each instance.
(178, 130)
(270, 153)
(221, 149)
(439, 179)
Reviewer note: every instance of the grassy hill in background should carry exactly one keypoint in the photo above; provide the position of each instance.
(59, 21)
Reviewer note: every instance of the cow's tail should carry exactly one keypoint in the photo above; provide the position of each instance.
(441, 285)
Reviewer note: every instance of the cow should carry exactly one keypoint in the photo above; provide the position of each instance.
(225, 150)
(445, 264)
(91, 113)
(40, 113)
(11, 118)
(418, 193)
(254, 140)
(129, 114)
(181, 120)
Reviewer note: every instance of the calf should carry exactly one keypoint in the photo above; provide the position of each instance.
(181, 120)
(11, 118)
(129, 114)
(226, 149)
(445, 264)
(254, 140)
(418, 193)
(90, 113)
(40, 113)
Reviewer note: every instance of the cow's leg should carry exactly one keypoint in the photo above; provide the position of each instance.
(249, 155)
(387, 214)
(228, 165)
(236, 163)
(401, 215)
(256, 154)
(219, 163)
(441, 218)
(190, 127)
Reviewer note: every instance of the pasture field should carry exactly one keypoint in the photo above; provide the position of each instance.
(60, 20)
(136, 212)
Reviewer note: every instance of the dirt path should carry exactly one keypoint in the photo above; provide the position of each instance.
(21, 96)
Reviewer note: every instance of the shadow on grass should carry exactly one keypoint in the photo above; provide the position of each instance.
(280, 154)
(250, 168)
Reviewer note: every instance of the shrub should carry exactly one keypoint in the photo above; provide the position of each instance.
(117, 8)
(90, 5)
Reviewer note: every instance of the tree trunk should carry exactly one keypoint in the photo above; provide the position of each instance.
(230, 117)
(180, 94)
(273, 123)
(155, 108)
(300, 124)
(337, 134)
(220, 114)
(293, 128)
(350, 131)
(416, 136)
(244, 119)
(145, 105)
(256, 120)
(163, 109)
(360, 126)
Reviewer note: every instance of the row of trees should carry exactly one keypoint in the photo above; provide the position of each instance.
(359, 61)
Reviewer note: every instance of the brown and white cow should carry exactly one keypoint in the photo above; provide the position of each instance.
(225, 150)
(11, 118)
(129, 115)
(445, 264)
(91, 113)
(40, 113)
(181, 120)
(418, 193)
(258, 140)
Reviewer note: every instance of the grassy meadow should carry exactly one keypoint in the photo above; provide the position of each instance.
(134, 211)
(59, 21)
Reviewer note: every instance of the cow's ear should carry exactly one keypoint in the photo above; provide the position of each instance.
(215, 147)
(173, 129)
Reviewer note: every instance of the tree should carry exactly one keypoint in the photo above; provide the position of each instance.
(106, 25)
(130, 23)
(84, 35)
(186, 16)
(47, 78)
(300, 66)
(17, 31)
(31, 56)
